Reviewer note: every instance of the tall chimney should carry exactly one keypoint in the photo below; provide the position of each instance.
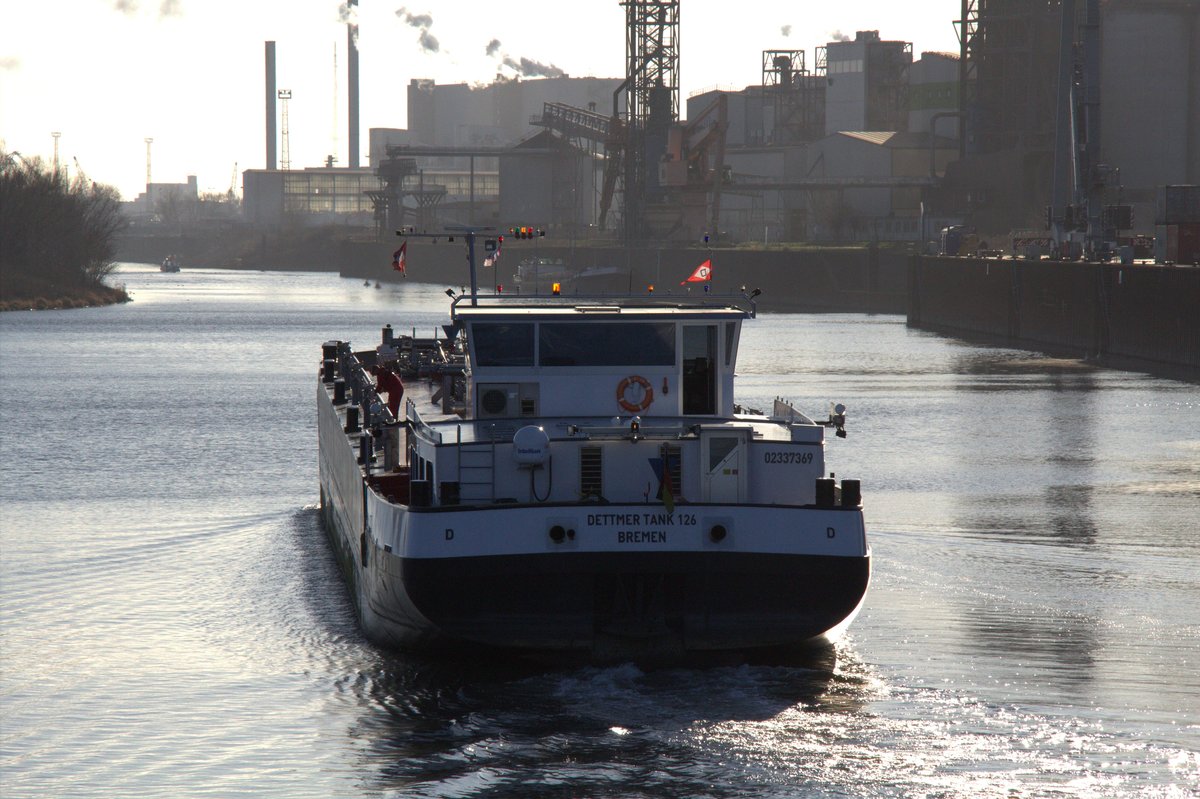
(352, 79)
(270, 105)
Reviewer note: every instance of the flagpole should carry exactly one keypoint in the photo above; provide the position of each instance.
(708, 246)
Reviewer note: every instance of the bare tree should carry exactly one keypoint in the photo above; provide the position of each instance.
(54, 233)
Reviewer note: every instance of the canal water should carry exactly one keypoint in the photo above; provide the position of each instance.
(173, 623)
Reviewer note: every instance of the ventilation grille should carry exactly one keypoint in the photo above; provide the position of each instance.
(590, 481)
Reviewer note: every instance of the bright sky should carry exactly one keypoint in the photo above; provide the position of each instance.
(107, 74)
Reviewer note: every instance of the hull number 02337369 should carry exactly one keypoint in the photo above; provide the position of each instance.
(787, 457)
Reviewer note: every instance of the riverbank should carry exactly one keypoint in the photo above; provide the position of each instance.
(30, 294)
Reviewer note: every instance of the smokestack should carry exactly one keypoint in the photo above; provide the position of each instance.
(270, 105)
(352, 79)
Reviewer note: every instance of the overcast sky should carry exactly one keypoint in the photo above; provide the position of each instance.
(107, 74)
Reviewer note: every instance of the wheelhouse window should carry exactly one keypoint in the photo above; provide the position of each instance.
(606, 344)
(700, 369)
(502, 343)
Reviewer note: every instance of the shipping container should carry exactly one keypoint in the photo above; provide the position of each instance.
(1177, 205)
(1177, 244)
(1187, 248)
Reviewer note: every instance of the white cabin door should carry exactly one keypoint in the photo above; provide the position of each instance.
(723, 457)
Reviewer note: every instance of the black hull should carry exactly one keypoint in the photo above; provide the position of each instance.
(614, 606)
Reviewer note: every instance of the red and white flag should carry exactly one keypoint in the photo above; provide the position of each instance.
(400, 259)
(703, 274)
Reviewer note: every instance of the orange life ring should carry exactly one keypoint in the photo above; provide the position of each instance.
(647, 393)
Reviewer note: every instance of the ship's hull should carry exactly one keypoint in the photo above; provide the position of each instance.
(601, 605)
(624, 605)
(630, 581)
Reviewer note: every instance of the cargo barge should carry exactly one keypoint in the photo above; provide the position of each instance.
(571, 477)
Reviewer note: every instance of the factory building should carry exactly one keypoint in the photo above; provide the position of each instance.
(450, 177)
(878, 212)
(165, 199)
(862, 142)
(866, 84)
(556, 183)
(498, 114)
(772, 140)
(311, 196)
(1149, 79)
(933, 94)
(1150, 96)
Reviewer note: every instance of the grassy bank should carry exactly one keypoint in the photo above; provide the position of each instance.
(27, 293)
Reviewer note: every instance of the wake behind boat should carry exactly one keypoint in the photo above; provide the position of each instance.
(572, 477)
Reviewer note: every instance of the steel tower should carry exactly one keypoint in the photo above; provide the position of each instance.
(652, 100)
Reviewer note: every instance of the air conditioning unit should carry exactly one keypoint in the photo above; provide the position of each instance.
(497, 400)
(506, 400)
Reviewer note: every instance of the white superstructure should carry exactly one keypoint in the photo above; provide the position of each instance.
(573, 476)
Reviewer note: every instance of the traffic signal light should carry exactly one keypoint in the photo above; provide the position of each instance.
(524, 232)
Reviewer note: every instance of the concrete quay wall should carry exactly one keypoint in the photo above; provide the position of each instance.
(1139, 316)
(852, 279)
(859, 279)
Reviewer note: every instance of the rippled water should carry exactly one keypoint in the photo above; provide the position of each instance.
(174, 625)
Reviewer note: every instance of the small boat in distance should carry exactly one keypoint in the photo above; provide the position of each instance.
(169, 264)
(539, 275)
(569, 477)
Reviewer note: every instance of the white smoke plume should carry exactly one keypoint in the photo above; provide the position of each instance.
(424, 22)
(9, 63)
(348, 13)
(534, 69)
(166, 8)
(786, 30)
(838, 36)
(525, 67)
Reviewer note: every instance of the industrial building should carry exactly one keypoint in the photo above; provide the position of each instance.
(862, 141)
(310, 196)
(1150, 95)
(866, 84)
(160, 197)
(1143, 89)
